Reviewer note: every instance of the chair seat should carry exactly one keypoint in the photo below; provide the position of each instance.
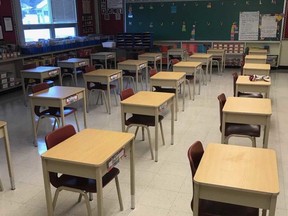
(242, 129)
(143, 120)
(212, 208)
(250, 95)
(190, 77)
(84, 184)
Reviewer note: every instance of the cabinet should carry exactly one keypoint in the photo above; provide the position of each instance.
(134, 40)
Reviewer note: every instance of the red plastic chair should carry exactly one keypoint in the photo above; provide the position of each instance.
(142, 121)
(77, 184)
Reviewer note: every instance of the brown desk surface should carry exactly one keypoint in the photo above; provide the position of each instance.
(102, 72)
(244, 80)
(260, 57)
(239, 168)
(258, 106)
(188, 64)
(132, 62)
(59, 92)
(162, 75)
(254, 66)
(98, 147)
(148, 99)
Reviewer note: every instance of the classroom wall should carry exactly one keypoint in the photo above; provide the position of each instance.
(6, 11)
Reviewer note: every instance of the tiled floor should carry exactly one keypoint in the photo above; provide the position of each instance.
(163, 188)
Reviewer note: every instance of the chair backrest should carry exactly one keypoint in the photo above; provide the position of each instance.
(195, 153)
(54, 138)
(59, 135)
(222, 101)
(36, 88)
(235, 77)
(152, 71)
(126, 93)
(39, 87)
(29, 66)
(89, 68)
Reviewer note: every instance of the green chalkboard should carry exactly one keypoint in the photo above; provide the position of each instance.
(213, 20)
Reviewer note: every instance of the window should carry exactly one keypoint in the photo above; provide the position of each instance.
(44, 19)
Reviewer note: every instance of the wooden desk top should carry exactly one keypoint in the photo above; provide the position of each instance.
(89, 146)
(260, 57)
(248, 106)
(103, 53)
(216, 51)
(58, 92)
(132, 62)
(188, 64)
(253, 66)
(150, 55)
(40, 69)
(74, 60)
(201, 55)
(244, 80)
(177, 50)
(162, 75)
(102, 72)
(258, 51)
(148, 99)
(239, 168)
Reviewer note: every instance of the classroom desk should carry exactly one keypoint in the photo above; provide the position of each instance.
(172, 80)
(243, 84)
(4, 134)
(152, 57)
(57, 96)
(259, 69)
(105, 56)
(88, 154)
(41, 73)
(135, 65)
(238, 175)
(248, 111)
(218, 53)
(149, 103)
(176, 52)
(258, 52)
(104, 76)
(190, 68)
(73, 63)
(257, 59)
(206, 59)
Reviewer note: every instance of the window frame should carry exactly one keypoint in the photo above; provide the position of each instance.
(21, 27)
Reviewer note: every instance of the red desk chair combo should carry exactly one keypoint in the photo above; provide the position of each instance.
(142, 121)
(99, 87)
(213, 208)
(51, 112)
(236, 129)
(74, 183)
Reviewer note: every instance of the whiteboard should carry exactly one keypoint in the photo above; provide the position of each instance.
(249, 25)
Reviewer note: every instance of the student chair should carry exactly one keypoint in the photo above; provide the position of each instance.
(208, 207)
(235, 129)
(99, 87)
(77, 184)
(142, 121)
(51, 112)
(243, 94)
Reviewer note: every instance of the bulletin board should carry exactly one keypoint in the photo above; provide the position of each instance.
(199, 20)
